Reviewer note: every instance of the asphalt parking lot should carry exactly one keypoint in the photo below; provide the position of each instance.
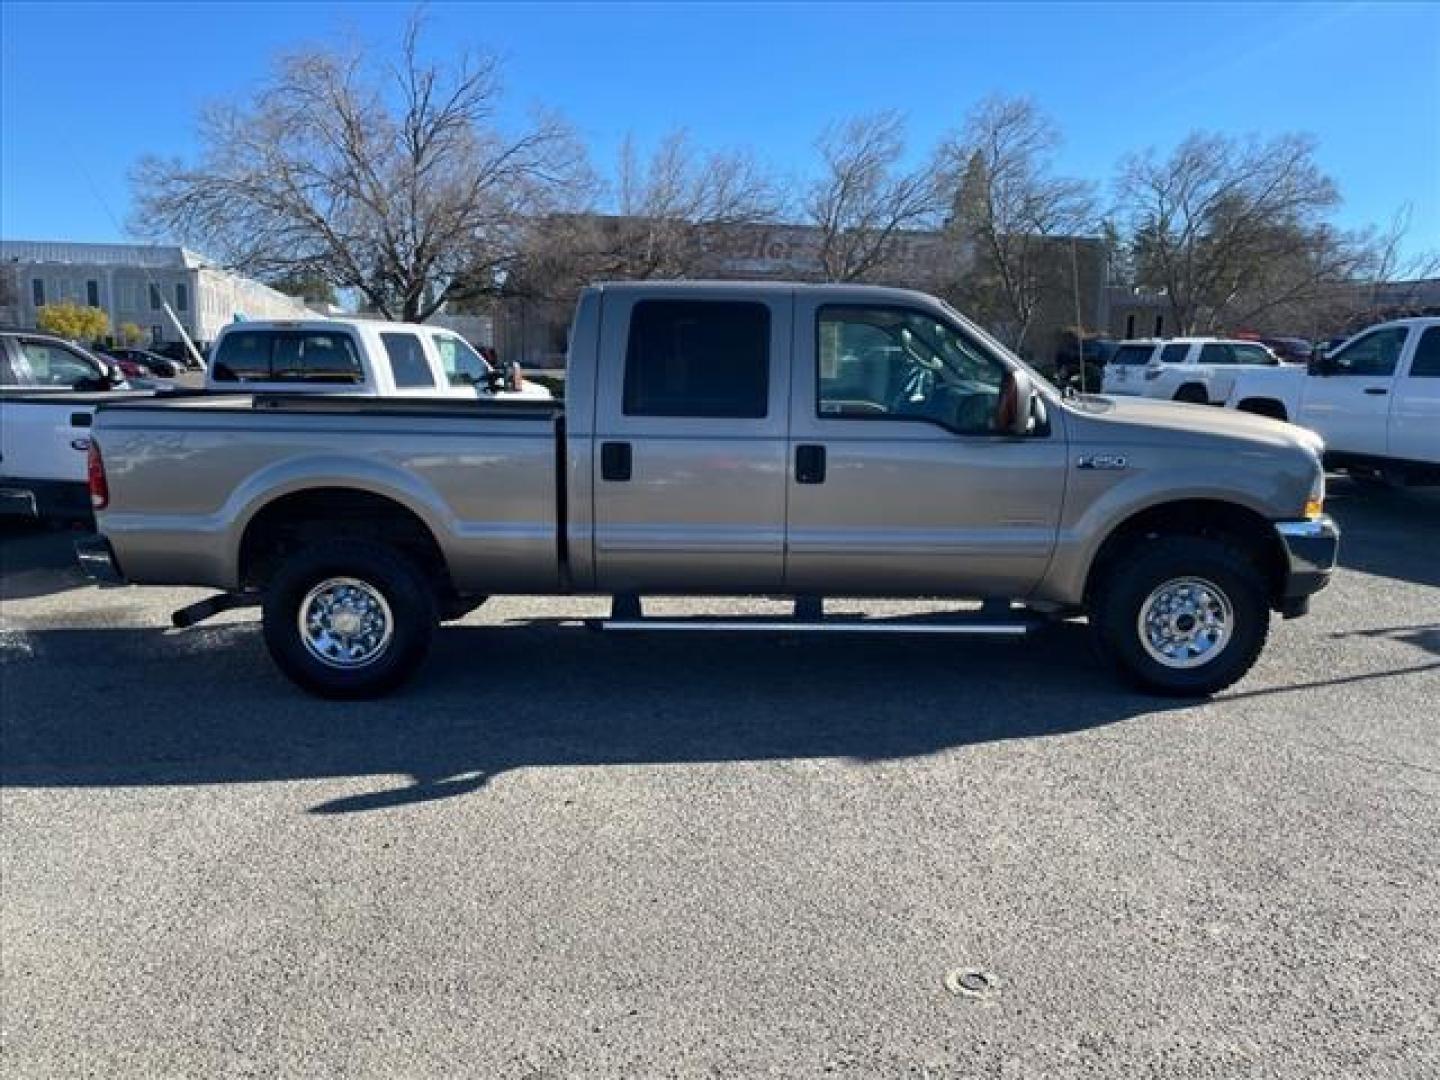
(565, 854)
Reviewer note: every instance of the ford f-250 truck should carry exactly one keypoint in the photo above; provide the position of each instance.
(809, 441)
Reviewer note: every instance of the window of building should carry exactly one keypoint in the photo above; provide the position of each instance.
(1375, 353)
(896, 363)
(407, 361)
(287, 356)
(157, 334)
(1426, 364)
(182, 297)
(92, 293)
(1130, 325)
(1159, 326)
(702, 358)
(154, 297)
(463, 365)
(37, 291)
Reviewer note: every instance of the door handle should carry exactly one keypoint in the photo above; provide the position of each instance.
(1377, 391)
(810, 464)
(615, 461)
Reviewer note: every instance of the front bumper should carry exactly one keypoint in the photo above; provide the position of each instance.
(1311, 549)
(97, 560)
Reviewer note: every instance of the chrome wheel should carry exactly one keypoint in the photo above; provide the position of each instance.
(1185, 623)
(345, 623)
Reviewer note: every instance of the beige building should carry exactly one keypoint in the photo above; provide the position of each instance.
(131, 283)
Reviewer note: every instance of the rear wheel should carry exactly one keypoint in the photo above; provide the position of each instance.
(1181, 615)
(348, 618)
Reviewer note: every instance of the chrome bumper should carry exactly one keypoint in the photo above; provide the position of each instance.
(1311, 548)
(97, 560)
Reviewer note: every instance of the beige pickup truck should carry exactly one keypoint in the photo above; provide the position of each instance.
(808, 441)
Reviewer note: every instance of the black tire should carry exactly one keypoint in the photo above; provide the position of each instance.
(1192, 394)
(1118, 599)
(379, 568)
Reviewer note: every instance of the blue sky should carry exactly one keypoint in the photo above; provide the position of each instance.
(87, 88)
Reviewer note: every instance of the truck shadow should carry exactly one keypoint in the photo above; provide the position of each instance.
(1388, 532)
(38, 559)
(142, 707)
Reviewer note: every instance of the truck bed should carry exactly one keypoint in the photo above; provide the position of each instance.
(189, 472)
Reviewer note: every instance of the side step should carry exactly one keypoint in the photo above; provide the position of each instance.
(994, 619)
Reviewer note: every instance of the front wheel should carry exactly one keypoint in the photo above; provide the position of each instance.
(348, 618)
(1181, 615)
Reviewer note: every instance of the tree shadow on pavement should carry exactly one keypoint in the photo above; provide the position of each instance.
(107, 707)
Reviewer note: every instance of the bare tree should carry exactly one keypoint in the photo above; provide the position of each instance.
(1233, 229)
(393, 180)
(864, 201)
(1008, 211)
(669, 216)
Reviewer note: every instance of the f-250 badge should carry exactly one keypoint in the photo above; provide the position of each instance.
(1102, 461)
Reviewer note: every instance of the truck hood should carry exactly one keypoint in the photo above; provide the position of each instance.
(1173, 421)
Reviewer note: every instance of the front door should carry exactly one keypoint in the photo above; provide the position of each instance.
(689, 444)
(1415, 416)
(899, 482)
(1350, 407)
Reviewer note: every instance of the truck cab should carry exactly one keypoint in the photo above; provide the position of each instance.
(1375, 399)
(355, 356)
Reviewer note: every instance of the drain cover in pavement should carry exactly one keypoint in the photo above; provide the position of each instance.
(970, 982)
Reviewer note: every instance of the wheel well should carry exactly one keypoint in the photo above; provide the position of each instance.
(292, 521)
(1230, 522)
(1193, 392)
(1264, 407)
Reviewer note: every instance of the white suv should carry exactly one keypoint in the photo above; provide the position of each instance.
(1201, 370)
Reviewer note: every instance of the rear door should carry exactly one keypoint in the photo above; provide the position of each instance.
(899, 482)
(1168, 369)
(1124, 373)
(690, 440)
(1415, 415)
(1350, 406)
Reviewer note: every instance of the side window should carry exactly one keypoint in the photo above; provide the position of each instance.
(1132, 355)
(243, 356)
(55, 365)
(890, 363)
(1426, 364)
(1217, 353)
(462, 365)
(702, 358)
(320, 356)
(407, 361)
(289, 356)
(1254, 354)
(1374, 354)
(8, 375)
(1174, 354)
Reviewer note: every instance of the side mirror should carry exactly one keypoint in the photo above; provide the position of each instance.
(1017, 403)
(494, 379)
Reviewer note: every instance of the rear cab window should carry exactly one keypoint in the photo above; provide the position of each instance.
(698, 358)
(305, 356)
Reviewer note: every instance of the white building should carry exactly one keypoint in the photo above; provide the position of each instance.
(128, 283)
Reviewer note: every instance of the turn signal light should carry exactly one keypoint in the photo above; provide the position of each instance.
(95, 476)
(1314, 507)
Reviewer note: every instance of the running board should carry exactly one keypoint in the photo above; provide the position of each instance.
(829, 626)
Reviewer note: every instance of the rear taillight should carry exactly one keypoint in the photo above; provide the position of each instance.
(95, 474)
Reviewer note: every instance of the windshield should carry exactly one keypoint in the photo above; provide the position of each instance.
(995, 345)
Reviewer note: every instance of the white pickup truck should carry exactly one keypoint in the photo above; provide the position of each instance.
(361, 357)
(1200, 370)
(1375, 400)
